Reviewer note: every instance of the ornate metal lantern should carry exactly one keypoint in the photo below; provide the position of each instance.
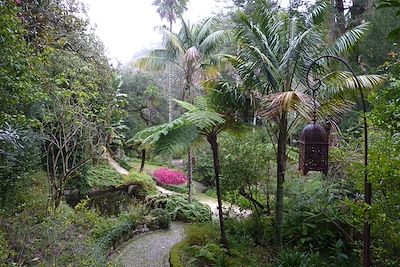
(313, 149)
(314, 143)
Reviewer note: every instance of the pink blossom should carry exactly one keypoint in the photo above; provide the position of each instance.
(18, 2)
(168, 176)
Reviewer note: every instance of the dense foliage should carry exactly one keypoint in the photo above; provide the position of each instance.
(242, 78)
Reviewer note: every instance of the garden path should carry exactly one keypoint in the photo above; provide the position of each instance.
(150, 249)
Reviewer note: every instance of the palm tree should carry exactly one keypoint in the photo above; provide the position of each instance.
(276, 50)
(196, 52)
(170, 10)
(200, 121)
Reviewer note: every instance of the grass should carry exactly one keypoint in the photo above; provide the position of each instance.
(103, 176)
(175, 254)
(142, 179)
(148, 167)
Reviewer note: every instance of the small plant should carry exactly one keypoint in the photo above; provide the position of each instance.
(291, 258)
(296, 258)
(169, 177)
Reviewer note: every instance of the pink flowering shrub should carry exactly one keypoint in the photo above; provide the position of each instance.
(168, 176)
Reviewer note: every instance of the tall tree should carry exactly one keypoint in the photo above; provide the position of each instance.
(200, 121)
(196, 52)
(77, 80)
(277, 49)
(170, 10)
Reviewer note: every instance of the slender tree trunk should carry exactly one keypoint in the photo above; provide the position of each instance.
(212, 139)
(143, 159)
(170, 94)
(268, 196)
(190, 175)
(170, 85)
(280, 175)
(337, 19)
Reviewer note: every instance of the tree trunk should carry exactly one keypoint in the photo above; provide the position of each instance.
(169, 94)
(190, 175)
(143, 160)
(212, 139)
(170, 85)
(280, 175)
(338, 19)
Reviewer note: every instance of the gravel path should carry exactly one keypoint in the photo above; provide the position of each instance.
(150, 249)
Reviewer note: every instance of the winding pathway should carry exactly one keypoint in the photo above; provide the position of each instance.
(150, 249)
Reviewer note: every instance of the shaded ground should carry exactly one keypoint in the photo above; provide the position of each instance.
(150, 249)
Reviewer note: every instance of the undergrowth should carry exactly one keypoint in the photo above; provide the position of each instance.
(180, 209)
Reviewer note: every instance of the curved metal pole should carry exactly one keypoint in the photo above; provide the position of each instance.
(367, 262)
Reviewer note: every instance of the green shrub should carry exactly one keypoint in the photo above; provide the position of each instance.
(256, 228)
(162, 218)
(201, 233)
(202, 247)
(209, 254)
(203, 169)
(5, 250)
(146, 184)
(180, 209)
(296, 258)
(102, 244)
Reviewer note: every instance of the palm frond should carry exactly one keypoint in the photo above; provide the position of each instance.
(176, 140)
(186, 105)
(347, 41)
(274, 104)
(205, 27)
(215, 40)
(172, 42)
(204, 119)
(155, 61)
(316, 14)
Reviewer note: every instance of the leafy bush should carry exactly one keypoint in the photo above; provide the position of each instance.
(202, 247)
(210, 253)
(258, 228)
(19, 161)
(170, 177)
(144, 181)
(317, 219)
(5, 250)
(180, 208)
(203, 169)
(121, 227)
(296, 258)
(162, 218)
(201, 233)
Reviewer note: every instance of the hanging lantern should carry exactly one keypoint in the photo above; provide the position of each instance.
(313, 149)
